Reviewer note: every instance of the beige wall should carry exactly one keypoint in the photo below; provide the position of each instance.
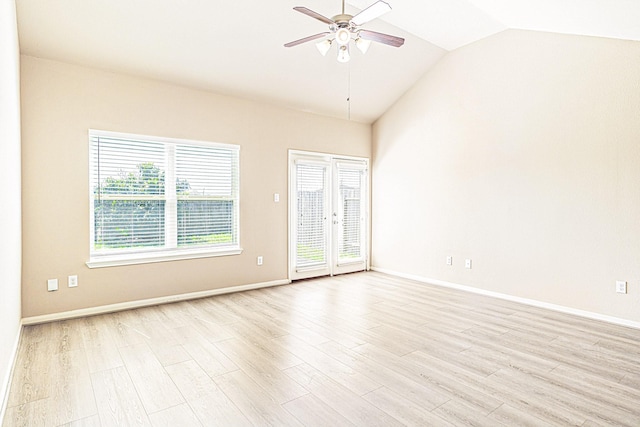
(521, 152)
(10, 228)
(60, 102)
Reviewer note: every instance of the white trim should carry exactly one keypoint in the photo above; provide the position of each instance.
(83, 312)
(333, 162)
(527, 301)
(149, 257)
(170, 250)
(327, 157)
(95, 133)
(6, 386)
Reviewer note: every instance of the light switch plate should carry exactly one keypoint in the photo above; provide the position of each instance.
(52, 285)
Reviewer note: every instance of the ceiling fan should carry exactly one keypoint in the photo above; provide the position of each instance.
(344, 28)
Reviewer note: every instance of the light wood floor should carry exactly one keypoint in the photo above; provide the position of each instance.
(362, 349)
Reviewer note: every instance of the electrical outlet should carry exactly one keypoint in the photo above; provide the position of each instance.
(52, 285)
(72, 281)
(260, 260)
(449, 260)
(467, 263)
(621, 287)
(276, 197)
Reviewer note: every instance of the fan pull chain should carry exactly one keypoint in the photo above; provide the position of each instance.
(349, 92)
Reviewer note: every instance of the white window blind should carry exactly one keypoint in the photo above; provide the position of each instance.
(154, 195)
(311, 242)
(350, 187)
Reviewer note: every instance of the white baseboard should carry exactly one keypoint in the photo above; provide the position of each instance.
(532, 302)
(6, 385)
(147, 302)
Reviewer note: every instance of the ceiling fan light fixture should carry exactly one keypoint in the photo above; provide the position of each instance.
(363, 45)
(345, 28)
(324, 46)
(343, 53)
(343, 35)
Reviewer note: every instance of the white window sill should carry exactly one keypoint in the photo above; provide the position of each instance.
(131, 259)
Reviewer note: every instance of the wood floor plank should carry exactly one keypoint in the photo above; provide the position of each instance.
(264, 346)
(631, 380)
(213, 310)
(407, 412)
(210, 405)
(72, 391)
(36, 413)
(541, 406)
(573, 398)
(262, 370)
(448, 384)
(312, 412)
(208, 329)
(154, 386)
(300, 327)
(260, 323)
(124, 334)
(180, 415)
(357, 382)
(99, 344)
(33, 372)
(511, 416)
(117, 399)
(93, 421)
(67, 335)
(256, 405)
(170, 355)
(177, 314)
(460, 413)
(207, 355)
(349, 405)
(417, 392)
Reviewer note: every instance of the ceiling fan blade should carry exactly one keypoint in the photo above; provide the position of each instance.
(313, 14)
(306, 39)
(381, 38)
(372, 12)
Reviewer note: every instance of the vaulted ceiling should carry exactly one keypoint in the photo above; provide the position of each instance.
(236, 47)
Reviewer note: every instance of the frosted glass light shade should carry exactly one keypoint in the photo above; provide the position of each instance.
(362, 44)
(343, 53)
(343, 36)
(324, 46)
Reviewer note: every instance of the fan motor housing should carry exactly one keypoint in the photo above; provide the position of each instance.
(342, 20)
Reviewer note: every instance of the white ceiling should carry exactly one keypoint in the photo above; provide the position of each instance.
(236, 47)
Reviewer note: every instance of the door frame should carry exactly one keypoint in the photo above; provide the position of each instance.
(330, 159)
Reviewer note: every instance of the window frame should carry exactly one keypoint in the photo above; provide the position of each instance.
(159, 254)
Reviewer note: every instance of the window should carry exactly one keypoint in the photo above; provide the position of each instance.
(156, 199)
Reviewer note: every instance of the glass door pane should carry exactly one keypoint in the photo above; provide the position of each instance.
(350, 214)
(311, 245)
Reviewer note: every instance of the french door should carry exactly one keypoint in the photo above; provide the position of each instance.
(328, 211)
